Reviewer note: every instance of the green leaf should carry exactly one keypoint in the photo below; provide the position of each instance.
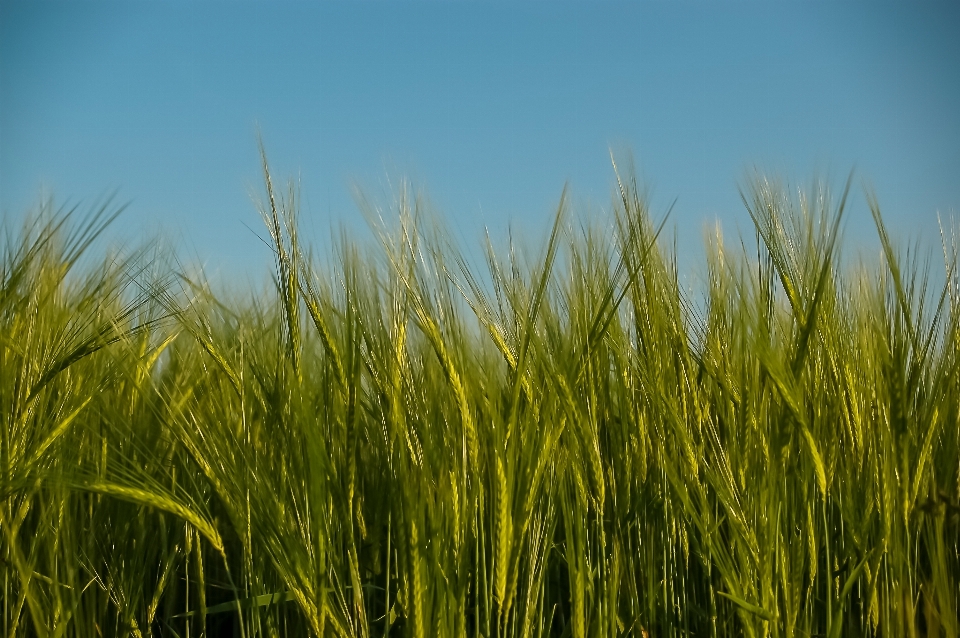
(756, 610)
(244, 603)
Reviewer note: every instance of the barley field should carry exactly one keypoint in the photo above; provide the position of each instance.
(394, 442)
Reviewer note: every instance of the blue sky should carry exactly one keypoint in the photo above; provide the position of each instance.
(489, 107)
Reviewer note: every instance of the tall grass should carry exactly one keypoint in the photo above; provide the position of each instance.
(392, 443)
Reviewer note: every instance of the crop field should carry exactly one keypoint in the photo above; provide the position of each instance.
(394, 442)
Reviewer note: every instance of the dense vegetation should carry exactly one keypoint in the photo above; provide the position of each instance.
(395, 444)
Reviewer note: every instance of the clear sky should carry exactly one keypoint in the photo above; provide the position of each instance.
(490, 107)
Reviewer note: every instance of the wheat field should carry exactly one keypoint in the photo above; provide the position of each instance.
(394, 442)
